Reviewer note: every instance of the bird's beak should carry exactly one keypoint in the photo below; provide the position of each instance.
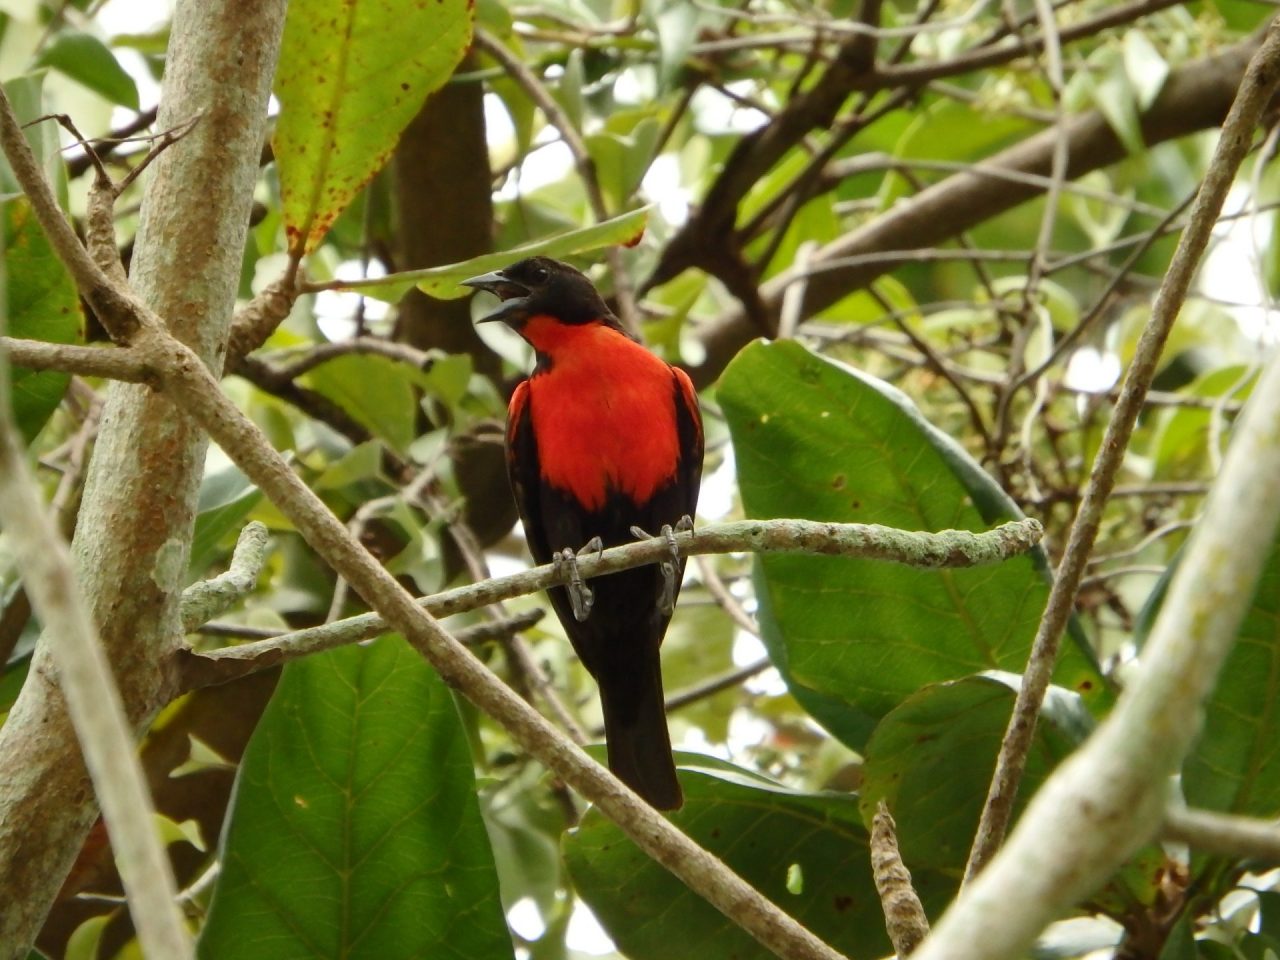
(513, 295)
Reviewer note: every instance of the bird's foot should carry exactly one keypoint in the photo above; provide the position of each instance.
(670, 568)
(581, 598)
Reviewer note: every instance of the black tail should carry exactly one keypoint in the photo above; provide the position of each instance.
(635, 730)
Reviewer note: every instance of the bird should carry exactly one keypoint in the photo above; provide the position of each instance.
(604, 443)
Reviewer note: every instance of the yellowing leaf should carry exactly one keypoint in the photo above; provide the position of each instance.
(352, 74)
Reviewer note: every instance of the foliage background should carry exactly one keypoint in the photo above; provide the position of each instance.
(949, 362)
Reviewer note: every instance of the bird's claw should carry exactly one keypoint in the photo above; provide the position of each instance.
(670, 568)
(580, 596)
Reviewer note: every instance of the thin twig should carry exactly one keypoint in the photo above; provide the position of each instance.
(904, 916)
(1241, 838)
(206, 599)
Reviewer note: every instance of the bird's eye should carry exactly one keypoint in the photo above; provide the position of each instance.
(539, 274)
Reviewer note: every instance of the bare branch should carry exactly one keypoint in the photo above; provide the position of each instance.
(904, 915)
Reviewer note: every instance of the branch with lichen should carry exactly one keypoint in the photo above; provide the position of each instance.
(949, 548)
(203, 601)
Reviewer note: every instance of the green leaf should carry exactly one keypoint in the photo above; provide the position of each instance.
(1116, 99)
(1145, 68)
(443, 282)
(88, 61)
(1234, 766)
(761, 831)
(26, 93)
(932, 757)
(42, 304)
(351, 77)
(377, 391)
(355, 830)
(853, 638)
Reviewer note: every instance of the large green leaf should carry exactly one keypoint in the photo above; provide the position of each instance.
(1234, 766)
(26, 94)
(42, 304)
(815, 439)
(931, 759)
(351, 77)
(355, 830)
(760, 830)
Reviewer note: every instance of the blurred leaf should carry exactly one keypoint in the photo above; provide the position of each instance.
(568, 92)
(26, 94)
(443, 282)
(42, 304)
(354, 830)
(226, 498)
(377, 391)
(88, 61)
(525, 834)
(12, 676)
(351, 77)
(621, 161)
(854, 638)
(361, 462)
(760, 830)
(676, 24)
(1145, 68)
(1181, 441)
(83, 944)
(1116, 99)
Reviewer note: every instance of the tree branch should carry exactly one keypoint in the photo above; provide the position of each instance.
(92, 698)
(203, 601)
(904, 915)
(1243, 838)
(133, 534)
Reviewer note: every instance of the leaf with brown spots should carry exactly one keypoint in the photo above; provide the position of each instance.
(352, 74)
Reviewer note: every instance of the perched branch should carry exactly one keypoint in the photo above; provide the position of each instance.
(950, 548)
(904, 915)
(1255, 90)
(1110, 797)
(206, 599)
